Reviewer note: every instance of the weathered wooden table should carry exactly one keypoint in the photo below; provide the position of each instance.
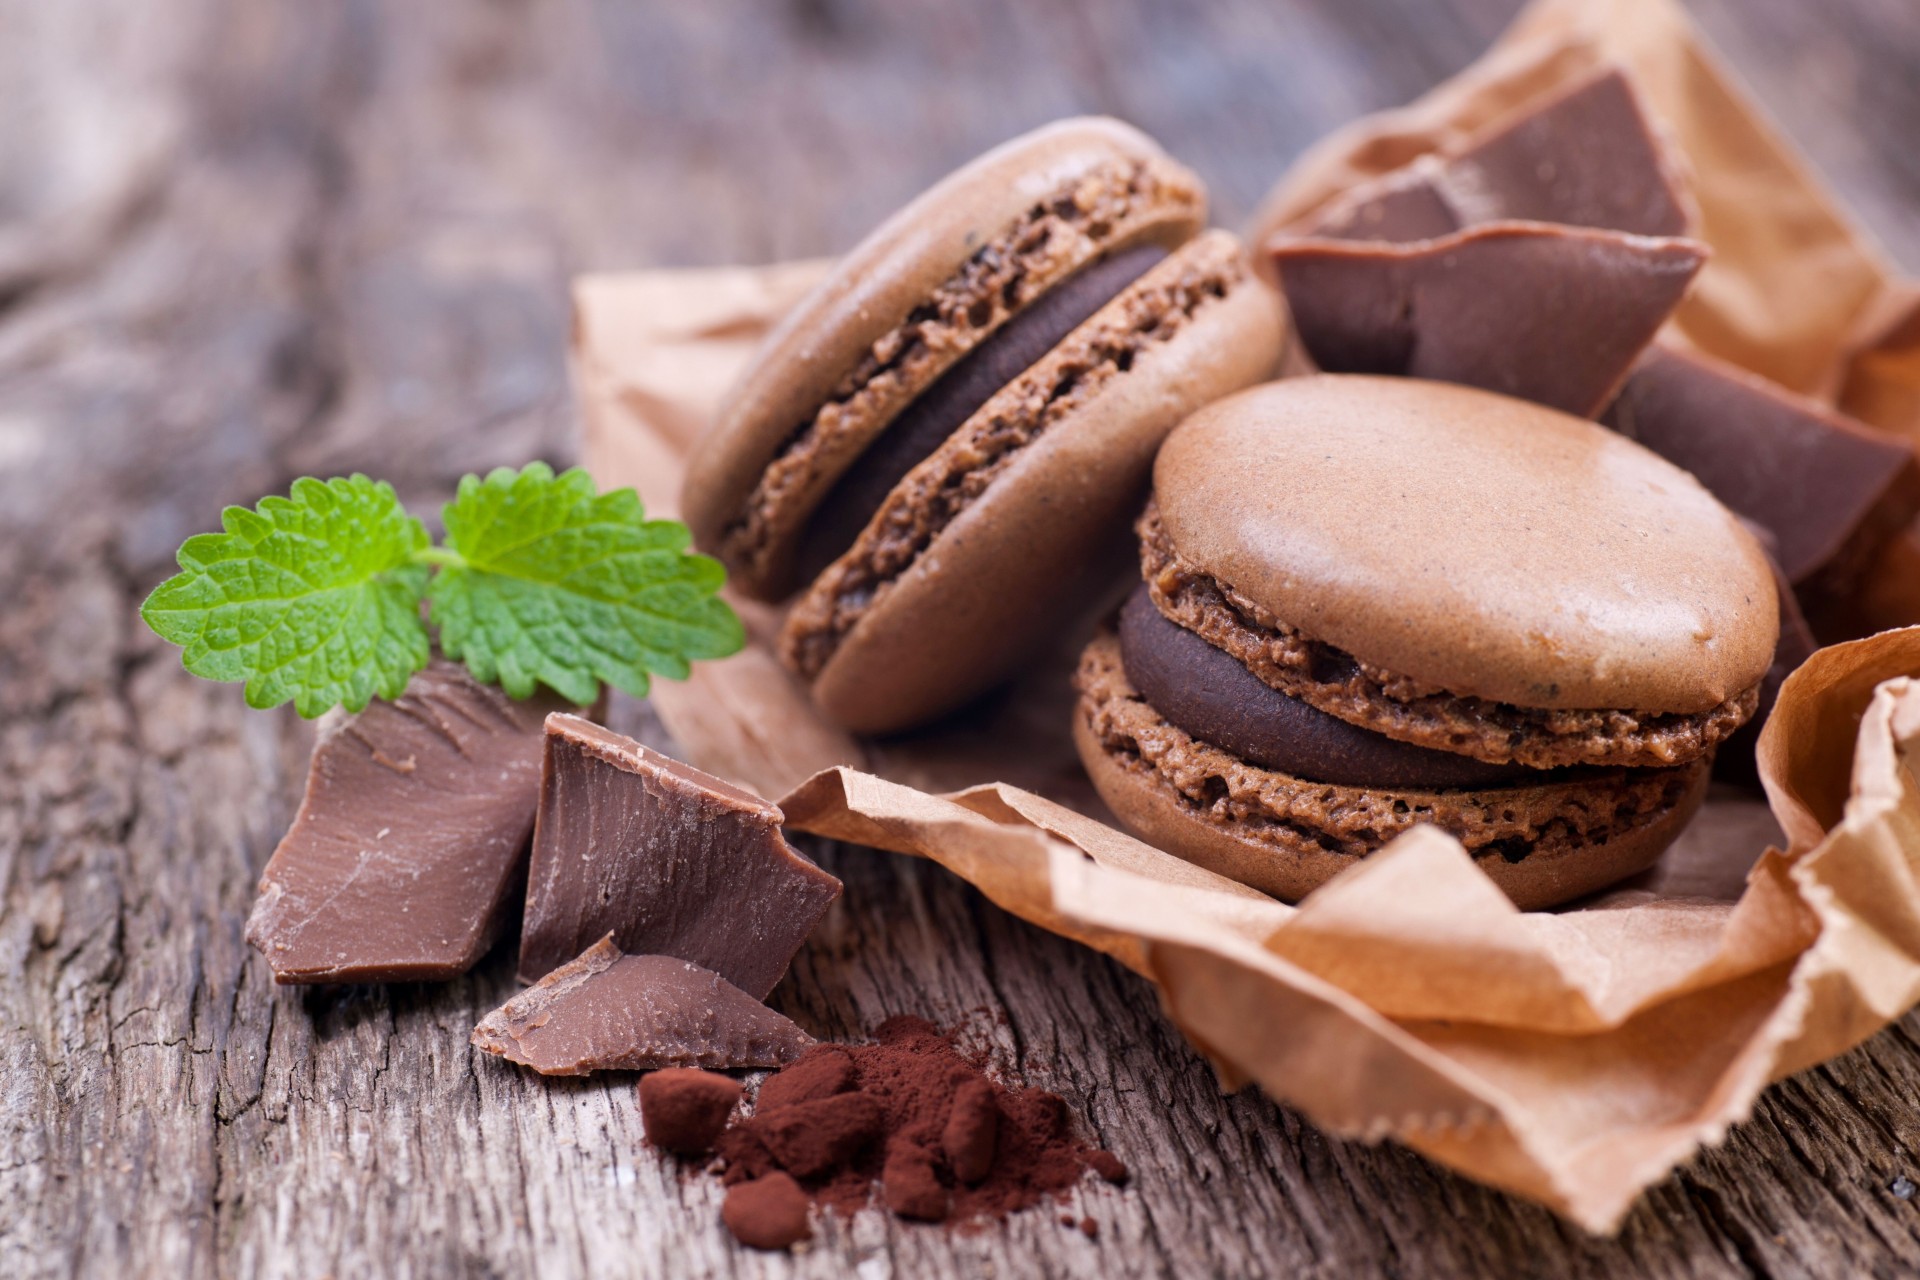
(241, 242)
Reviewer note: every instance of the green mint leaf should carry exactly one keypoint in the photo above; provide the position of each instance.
(313, 597)
(543, 580)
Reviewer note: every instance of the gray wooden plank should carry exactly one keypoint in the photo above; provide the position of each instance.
(327, 237)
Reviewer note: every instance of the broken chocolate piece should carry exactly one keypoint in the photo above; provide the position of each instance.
(410, 840)
(1830, 490)
(1735, 761)
(1587, 158)
(610, 1012)
(684, 1110)
(767, 1213)
(1551, 314)
(669, 860)
(1889, 593)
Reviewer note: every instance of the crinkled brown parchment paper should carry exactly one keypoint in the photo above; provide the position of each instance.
(1571, 1057)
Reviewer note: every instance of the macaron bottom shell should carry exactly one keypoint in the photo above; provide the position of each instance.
(1541, 844)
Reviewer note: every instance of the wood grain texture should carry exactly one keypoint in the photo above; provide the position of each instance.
(241, 242)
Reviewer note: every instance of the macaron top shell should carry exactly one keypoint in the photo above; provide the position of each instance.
(1473, 542)
(858, 317)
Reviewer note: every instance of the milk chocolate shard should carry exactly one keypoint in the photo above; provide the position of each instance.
(410, 839)
(1829, 490)
(669, 860)
(611, 1012)
(1588, 157)
(1551, 314)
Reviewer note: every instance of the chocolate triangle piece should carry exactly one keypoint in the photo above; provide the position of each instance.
(1551, 314)
(410, 839)
(669, 860)
(1588, 157)
(1828, 489)
(605, 1011)
(1735, 761)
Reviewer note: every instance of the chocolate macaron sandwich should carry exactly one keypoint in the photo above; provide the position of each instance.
(1370, 603)
(954, 429)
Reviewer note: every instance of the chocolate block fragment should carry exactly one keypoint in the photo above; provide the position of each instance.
(669, 860)
(1829, 490)
(684, 1110)
(410, 840)
(1551, 314)
(1735, 761)
(1587, 158)
(611, 1012)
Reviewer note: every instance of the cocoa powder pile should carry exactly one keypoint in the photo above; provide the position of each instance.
(907, 1114)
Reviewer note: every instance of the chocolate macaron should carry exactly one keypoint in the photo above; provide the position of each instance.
(962, 418)
(1372, 603)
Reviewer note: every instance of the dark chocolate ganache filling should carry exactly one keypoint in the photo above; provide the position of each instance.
(1206, 693)
(942, 408)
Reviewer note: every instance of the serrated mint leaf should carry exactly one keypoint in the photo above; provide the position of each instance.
(313, 597)
(545, 581)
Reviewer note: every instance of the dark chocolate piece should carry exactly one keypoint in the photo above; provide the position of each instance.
(1551, 314)
(611, 1012)
(1735, 761)
(767, 1213)
(941, 409)
(1586, 158)
(1209, 694)
(669, 860)
(684, 1110)
(411, 838)
(1828, 489)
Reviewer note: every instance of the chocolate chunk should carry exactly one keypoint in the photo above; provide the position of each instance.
(1830, 490)
(1735, 761)
(411, 838)
(1211, 695)
(685, 1110)
(821, 1072)
(767, 1213)
(1586, 158)
(606, 1011)
(939, 411)
(911, 1184)
(812, 1138)
(670, 860)
(971, 1130)
(1551, 314)
(1089, 1228)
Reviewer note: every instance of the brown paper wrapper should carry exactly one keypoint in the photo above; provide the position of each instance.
(1571, 1057)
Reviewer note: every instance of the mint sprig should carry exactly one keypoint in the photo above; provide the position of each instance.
(316, 597)
(547, 581)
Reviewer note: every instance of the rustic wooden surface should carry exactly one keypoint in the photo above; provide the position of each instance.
(240, 242)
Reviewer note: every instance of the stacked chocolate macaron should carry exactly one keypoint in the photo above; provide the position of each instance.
(949, 436)
(1371, 603)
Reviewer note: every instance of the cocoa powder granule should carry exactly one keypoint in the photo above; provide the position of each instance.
(845, 1118)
